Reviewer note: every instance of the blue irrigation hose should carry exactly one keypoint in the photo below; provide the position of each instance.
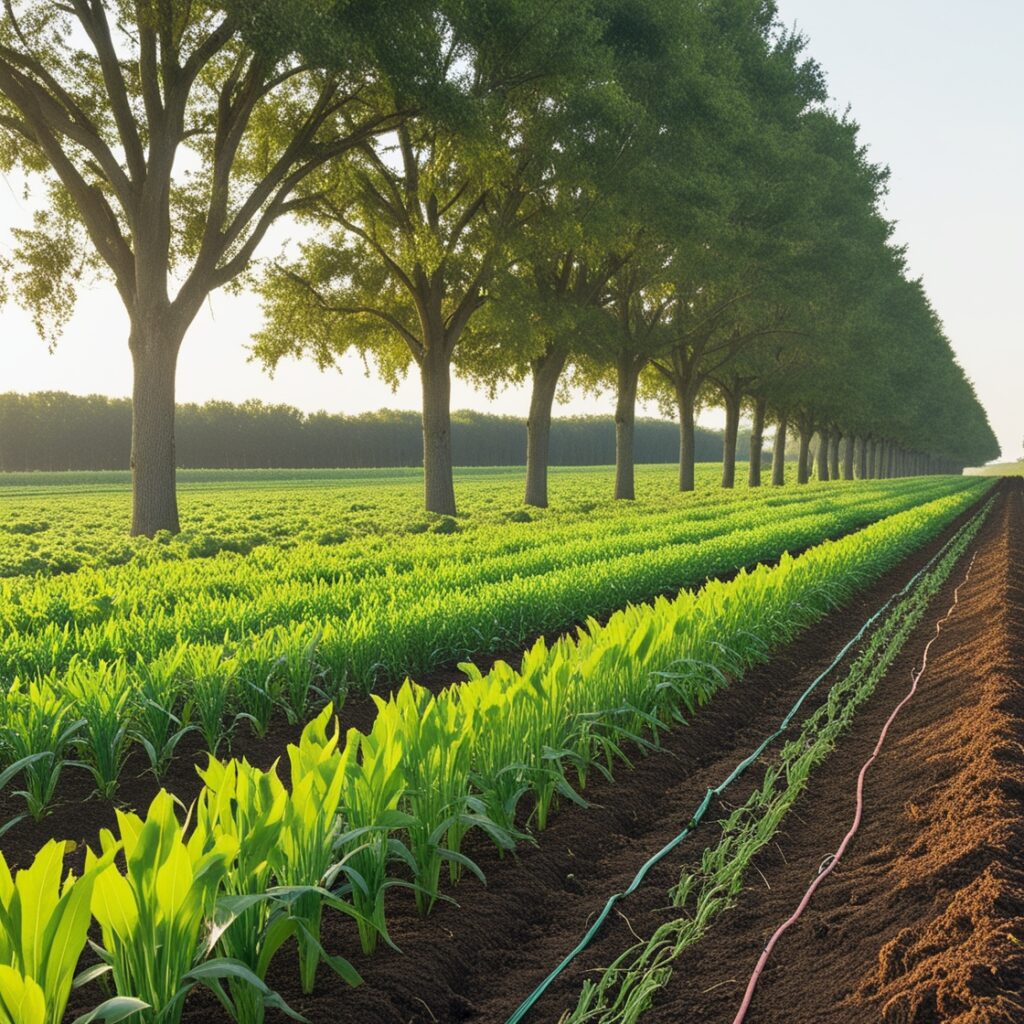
(702, 808)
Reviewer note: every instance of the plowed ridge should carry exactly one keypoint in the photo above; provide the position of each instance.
(924, 921)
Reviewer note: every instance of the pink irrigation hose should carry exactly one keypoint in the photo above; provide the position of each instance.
(825, 872)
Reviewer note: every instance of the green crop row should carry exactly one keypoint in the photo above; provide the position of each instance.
(61, 523)
(262, 860)
(213, 661)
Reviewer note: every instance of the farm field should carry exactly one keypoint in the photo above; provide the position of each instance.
(61, 522)
(665, 668)
(573, 714)
(999, 469)
(211, 646)
(918, 925)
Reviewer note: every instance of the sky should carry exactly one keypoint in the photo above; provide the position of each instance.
(936, 86)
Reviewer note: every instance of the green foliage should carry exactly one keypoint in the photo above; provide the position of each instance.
(44, 920)
(222, 644)
(390, 806)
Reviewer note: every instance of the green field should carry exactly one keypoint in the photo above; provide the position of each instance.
(998, 469)
(230, 622)
(61, 522)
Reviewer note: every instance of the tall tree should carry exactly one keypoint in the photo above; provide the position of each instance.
(413, 231)
(168, 138)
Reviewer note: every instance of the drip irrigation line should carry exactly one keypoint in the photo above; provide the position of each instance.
(698, 815)
(832, 860)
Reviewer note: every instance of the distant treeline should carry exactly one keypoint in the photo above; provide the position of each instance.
(53, 431)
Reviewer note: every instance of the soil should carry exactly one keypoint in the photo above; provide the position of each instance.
(924, 919)
(917, 919)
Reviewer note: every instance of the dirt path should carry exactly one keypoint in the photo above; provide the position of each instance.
(924, 919)
(476, 962)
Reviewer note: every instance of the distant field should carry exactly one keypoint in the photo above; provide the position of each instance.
(61, 522)
(999, 469)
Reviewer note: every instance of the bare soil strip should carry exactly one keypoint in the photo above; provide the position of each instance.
(924, 919)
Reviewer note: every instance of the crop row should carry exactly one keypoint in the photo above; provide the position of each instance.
(97, 615)
(93, 703)
(627, 987)
(263, 859)
(62, 524)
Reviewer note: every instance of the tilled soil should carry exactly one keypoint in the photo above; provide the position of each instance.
(924, 918)
(475, 962)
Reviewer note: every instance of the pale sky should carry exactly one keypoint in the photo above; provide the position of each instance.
(936, 86)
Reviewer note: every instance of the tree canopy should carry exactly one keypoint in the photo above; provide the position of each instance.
(648, 197)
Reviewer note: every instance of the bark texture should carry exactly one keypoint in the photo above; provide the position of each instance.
(546, 373)
(732, 428)
(757, 443)
(779, 453)
(824, 439)
(438, 484)
(803, 474)
(625, 430)
(687, 405)
(848, 456)
(154, 348)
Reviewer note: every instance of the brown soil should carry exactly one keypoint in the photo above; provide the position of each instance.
(476, 962)
(924, 919)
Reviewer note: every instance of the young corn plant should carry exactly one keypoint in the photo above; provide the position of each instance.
(38, 731)
(211, 671)
(156, 696)
(436, 745)
(304, 861)
(497, 768)
(44, 921)
(100, 694)
(155, 916)
(259, 688)
(297, 669)
(373, 784)
(252, 923)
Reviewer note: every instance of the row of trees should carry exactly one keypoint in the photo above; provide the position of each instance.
(648, 197)
(55, 431)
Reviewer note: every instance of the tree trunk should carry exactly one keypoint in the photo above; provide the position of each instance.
(872, 459)
(848, 455)
(757, 443)
(438, 483)
(779, 454)
(687, 405)
(862, 458)
(833, 453)
(732, 429)
(823, 443)
(803, 473)
(546, 372)
(625, 421)
(154, 495)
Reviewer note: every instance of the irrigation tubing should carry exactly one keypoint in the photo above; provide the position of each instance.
(834, 859)
(698, 815)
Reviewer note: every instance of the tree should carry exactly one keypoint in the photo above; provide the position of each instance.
(413, 231)
(169, 137)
